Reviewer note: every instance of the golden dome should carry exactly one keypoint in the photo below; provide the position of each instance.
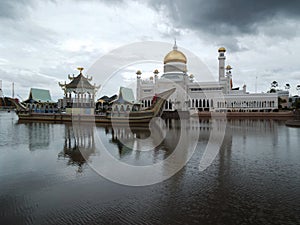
(175, 56)
(156, 72)
(222, 49)
(138, 72)
(228, 67)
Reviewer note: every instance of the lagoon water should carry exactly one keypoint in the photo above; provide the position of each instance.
(47, 175)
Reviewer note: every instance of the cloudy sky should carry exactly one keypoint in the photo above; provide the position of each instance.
(41, 42)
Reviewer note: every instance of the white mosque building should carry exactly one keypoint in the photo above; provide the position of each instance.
(217, 96)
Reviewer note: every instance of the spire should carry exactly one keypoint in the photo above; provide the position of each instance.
(175, 44)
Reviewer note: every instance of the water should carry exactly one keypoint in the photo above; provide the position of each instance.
(44, 178)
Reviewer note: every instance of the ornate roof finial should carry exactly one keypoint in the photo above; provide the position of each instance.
(175, 44)
(80, 69)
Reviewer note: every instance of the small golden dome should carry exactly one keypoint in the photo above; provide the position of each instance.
(151, 78)
(175, 56)
(138, 72)
(222, 49)
(191, 76)
(156, 72)
(228, 67)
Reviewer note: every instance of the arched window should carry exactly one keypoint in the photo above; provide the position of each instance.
(196, 103)
(200, 103)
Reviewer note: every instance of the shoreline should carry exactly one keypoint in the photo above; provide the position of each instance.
(243, 115)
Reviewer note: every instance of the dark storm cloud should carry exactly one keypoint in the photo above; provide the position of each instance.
(226, 17)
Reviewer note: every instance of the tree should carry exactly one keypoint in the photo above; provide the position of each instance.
(287, 86)
(296, 104)
(274, 84)
(298, 88)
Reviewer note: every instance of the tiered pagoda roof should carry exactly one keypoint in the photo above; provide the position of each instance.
(79, 82)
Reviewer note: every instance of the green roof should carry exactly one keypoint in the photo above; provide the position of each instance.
(39, 95)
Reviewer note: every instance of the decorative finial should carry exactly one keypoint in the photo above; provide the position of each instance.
(80, 69)
(175, 44)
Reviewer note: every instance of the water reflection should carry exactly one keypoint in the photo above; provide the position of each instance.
(143, 156)
(79, 145)
(39, 135)
(254, 179)
(79, 141)
(137, 145)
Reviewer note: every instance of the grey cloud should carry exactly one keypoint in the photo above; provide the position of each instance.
(14, 9)
(230, 16)
(18, 9)
(24, 79)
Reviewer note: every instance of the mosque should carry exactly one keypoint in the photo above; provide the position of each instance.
(194, 96)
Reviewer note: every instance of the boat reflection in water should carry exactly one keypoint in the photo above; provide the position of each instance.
(37, 135)
(144, 155)
(166, 146)
(141, 146)
(79, 145)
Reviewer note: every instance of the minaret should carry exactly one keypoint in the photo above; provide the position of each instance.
(155, 72)
(138, 84)
(229, 77)
(221, 58)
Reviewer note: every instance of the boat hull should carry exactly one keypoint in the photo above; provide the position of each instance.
(62, 117)
(135, 117)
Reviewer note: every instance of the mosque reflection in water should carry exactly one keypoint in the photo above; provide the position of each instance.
(79, 142)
